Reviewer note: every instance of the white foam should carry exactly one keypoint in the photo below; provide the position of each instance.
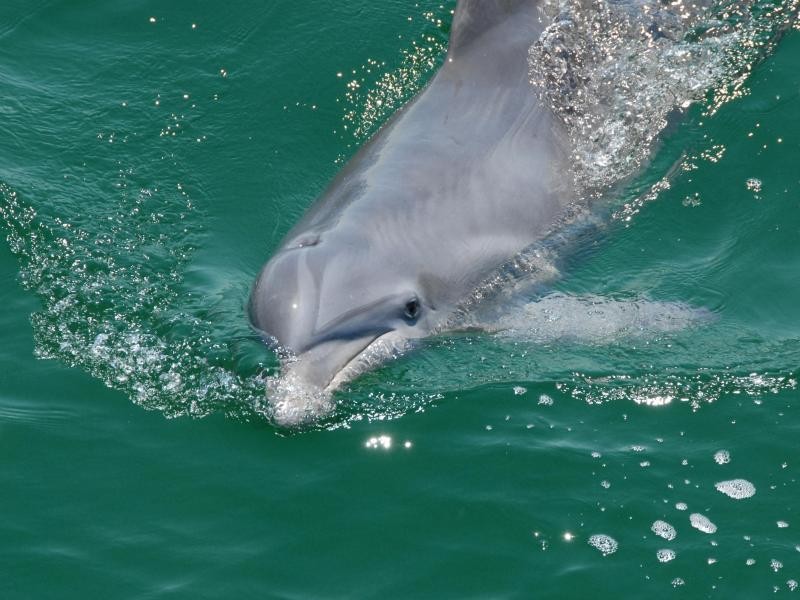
(722, 457)
(737, 489)
(754, 185)
(664, 530)
(545, 400)
(665, 555)
(702, 523)
(604, 543)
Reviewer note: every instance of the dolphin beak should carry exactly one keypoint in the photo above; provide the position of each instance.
(320, 365)
(302, 393)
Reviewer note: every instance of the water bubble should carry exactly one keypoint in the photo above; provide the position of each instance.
(545, 400)
(792, 585)
(737, 489)
(750, 562)
(782, 524)
(722, 457)
(665, 555)
(775, 565)
(677, 582)
(604, 543)
(681, 505)
(702, 523)
(754, 185)
(519, 390)
(664, 530)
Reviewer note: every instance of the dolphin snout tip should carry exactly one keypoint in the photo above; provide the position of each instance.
(294, 402)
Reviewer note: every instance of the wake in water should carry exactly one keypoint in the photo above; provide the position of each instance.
(113, 285)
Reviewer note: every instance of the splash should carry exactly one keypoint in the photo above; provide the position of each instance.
(616, 72)
(293, 402)
(109, 288)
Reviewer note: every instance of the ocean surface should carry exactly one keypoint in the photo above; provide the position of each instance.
(152, 156)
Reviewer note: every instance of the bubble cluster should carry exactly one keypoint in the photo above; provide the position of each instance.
(737, 489)
(665, 555)
(702, 523)
(604, 543)
(664, 530)
(722, 457)
(754, 185)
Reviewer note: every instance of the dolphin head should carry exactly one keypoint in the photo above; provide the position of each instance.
(334, 305)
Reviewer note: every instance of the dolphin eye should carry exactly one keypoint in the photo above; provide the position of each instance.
(412, 308)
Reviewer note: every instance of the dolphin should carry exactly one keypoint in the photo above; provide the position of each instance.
(462, 179)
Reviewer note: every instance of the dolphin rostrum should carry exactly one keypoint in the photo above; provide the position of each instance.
(458, 182)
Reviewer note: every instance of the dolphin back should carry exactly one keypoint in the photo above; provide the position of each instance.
(473, 18)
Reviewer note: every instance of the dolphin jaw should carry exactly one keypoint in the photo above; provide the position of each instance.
(294, 399)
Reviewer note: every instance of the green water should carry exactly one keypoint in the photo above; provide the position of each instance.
(147, 171)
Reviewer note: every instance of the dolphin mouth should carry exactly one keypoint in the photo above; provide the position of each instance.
(303, 392)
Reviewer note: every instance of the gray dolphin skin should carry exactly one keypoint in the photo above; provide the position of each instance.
(457, 183)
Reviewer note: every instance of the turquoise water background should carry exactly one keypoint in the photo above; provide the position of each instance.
(151, 158)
